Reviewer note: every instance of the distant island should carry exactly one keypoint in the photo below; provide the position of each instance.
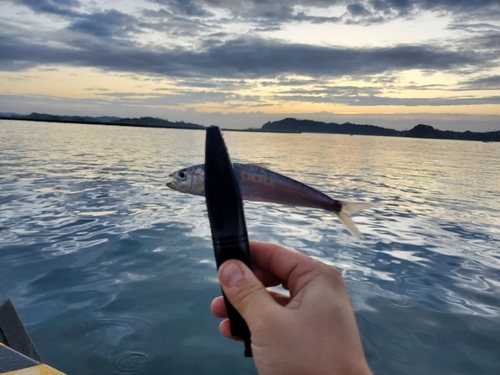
(287, 125)
(150, 122)
(419, 131)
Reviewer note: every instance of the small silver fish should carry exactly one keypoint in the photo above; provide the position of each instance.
(263, 185)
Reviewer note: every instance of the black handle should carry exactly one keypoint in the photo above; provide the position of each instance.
(228, 250)
(227, 219)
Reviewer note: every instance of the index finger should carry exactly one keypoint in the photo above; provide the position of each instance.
(288, 265)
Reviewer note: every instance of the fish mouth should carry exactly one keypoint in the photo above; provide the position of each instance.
(170, 182)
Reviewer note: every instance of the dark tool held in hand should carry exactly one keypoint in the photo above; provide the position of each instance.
(227, 219)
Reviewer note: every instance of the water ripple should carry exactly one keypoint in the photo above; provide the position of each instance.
(131, 362)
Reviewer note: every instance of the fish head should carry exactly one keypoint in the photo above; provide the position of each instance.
(188, 180)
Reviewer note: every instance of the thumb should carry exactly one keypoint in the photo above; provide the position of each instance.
(245, 292)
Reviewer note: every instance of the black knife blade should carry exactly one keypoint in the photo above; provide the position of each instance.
(227, 219)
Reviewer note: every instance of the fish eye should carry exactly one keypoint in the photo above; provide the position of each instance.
(182, 175)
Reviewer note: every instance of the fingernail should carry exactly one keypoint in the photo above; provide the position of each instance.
(231, 274)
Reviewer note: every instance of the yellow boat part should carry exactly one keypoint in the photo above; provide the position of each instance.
(15, 363)
(36, 370)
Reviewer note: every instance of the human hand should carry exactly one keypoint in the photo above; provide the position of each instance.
(312, 331)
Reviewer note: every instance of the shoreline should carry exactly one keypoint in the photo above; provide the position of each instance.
(252, 130)
(143, 125)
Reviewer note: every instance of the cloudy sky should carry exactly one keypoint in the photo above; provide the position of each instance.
(239, 64)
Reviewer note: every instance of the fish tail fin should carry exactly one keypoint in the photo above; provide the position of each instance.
(349, 208)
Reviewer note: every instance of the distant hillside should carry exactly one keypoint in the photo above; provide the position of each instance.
(104, 120)
(289, 125)
(419, 131)
(157, 122)
(426, 131)
(309, 126)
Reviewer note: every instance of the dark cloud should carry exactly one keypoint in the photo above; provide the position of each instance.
(104, 24)
(332, 91)
(433, 87)
(271, 14)
(435, 102)
(357, 9)
(378, 11)
(353, 98)
(407, 7)
(59, 7)
(161, 13)
(473, 27)
(198, 84)
(361, 11)
(258, 58)
(185, 7)
(240, 57)
(483, 83)
(176, 27)
(285, 81)
(489, 41)
(455, 5)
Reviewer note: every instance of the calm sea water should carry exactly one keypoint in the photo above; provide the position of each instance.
(113, 273)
